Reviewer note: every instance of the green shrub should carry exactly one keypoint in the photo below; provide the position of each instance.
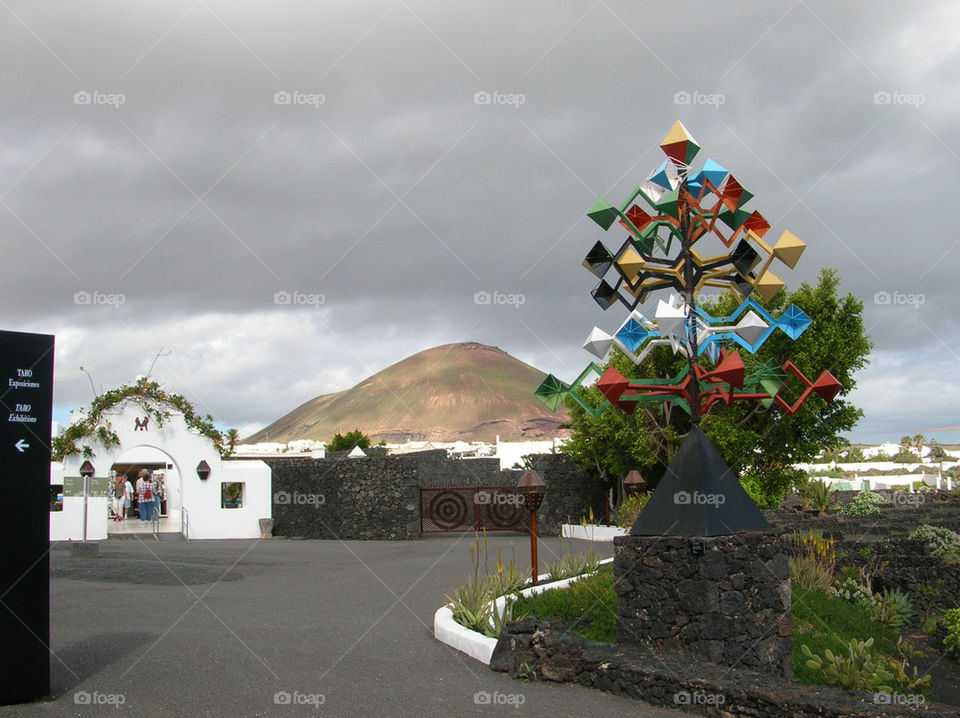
(905, 456)
(905, 681)
(951, 643)
(892, 608)
(931, 591)
(859, 668)
(572, 564)
(829, 473)
(863, 504)
(853, 591)
(630, 509)
(817, 494)
(942, 541)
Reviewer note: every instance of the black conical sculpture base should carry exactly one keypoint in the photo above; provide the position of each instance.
(698, 496)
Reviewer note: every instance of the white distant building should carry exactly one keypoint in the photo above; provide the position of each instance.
(300, 447)
(888, 448)
(511, 453)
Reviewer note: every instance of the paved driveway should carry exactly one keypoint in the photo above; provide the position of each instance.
(220, 628)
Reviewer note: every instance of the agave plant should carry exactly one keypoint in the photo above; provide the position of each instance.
(498, 617)
(892, 607)
(470, 603)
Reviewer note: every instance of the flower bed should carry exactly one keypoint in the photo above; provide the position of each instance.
(475, 644)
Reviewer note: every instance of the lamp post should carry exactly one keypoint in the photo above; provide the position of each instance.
(82, 549)
(634, 484)
(86, 471)
(532, 488)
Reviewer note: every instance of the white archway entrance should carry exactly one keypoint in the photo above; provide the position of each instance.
(161, 465)
(211, 498)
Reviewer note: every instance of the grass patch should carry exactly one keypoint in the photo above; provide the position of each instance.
(821, 621)
(588, 607)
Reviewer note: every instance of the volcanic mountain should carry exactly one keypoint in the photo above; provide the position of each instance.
(454, 392)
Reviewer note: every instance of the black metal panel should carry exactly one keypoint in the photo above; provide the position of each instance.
(26, 403)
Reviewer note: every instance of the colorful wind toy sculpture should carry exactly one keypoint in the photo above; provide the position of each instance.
(661, 251)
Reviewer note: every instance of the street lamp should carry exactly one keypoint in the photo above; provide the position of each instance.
(86, 471)
(634, 484)
(532, 488)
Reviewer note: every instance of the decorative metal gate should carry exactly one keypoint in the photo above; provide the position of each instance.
(494, 508)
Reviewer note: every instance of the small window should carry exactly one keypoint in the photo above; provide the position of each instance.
(56, 497)
(231, 495)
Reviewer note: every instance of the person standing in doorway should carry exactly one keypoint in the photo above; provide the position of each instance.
(117, 495)
(145, 495)
(127, 494)
(158, 493)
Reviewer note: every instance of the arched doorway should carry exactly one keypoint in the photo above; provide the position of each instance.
(160, 464)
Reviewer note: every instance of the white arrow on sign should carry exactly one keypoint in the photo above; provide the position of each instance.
(21, 445)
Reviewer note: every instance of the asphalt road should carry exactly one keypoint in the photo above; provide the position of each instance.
(280, 628)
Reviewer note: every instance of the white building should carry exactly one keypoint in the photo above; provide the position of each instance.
(205, 496)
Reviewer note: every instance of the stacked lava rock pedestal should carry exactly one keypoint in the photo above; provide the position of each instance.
(701, 570)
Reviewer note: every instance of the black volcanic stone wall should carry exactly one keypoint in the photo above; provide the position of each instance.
(369, 498)
(881, 540)
(434, 469)
(907, 564)
(570, 493)
(729, 605)
(533, 649)
(378, 498)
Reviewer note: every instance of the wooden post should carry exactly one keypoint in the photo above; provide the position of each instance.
(533, 546)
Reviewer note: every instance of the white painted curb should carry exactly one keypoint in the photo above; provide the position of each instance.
(474, 644)
(591, 532)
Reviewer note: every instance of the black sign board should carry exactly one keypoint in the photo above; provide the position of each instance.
(26, 406)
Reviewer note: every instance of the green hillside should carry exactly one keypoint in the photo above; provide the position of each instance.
(467, 392)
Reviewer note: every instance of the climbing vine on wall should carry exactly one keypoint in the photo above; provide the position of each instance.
(157, 403)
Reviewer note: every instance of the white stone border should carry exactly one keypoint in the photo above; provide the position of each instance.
(474, 644)
(591, 532)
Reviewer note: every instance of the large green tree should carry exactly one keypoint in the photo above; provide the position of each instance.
(760, 444)
(346, 442)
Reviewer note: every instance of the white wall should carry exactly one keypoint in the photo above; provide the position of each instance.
(68, 524)
(202, 498)
(890, 481)
(878, 465)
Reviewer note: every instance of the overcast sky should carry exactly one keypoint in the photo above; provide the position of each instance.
(157, 192)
